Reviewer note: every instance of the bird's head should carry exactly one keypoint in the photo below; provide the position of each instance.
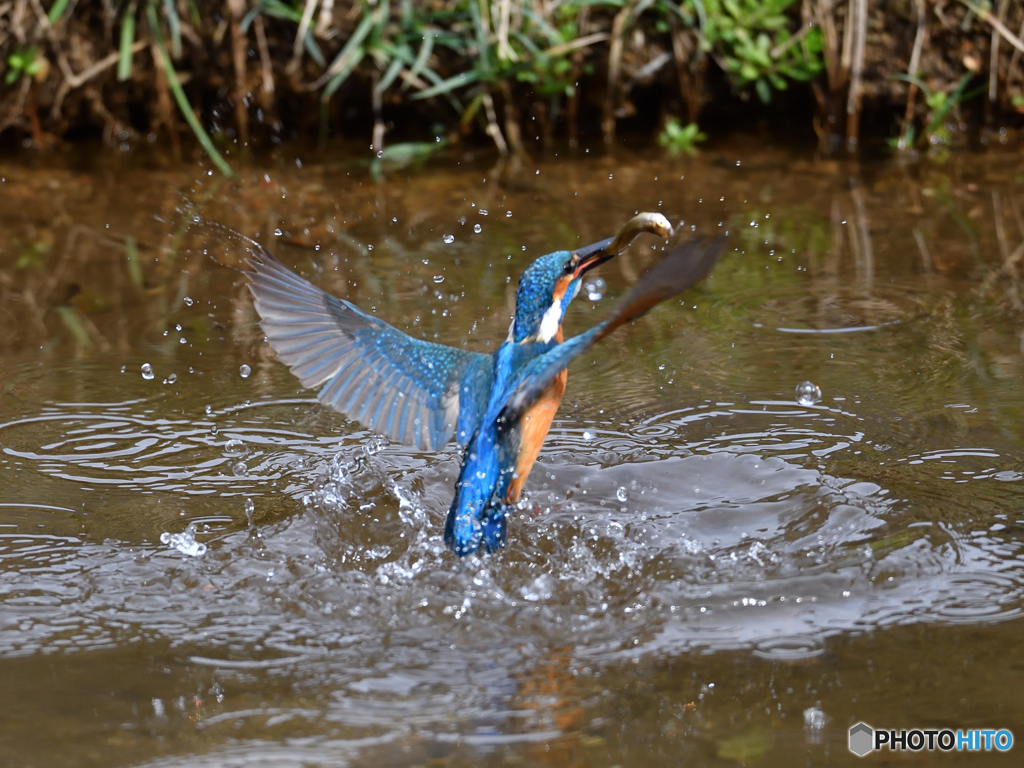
(552, 281)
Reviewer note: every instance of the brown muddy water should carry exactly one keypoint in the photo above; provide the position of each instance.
(199, 566)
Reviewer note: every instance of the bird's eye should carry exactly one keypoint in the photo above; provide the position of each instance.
(570, 266)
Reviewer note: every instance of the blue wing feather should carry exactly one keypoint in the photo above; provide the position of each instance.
(415, 392)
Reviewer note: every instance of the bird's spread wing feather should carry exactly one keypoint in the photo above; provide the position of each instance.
(414, 392)
(681, 267)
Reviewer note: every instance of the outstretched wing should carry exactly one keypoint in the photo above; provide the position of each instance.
(682, 266)
(414, 392)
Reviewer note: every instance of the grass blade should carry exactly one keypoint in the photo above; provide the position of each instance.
(171, 12)
(456, 81)
(131, 253)
(124, 58)
(56, 11)
(182, 99)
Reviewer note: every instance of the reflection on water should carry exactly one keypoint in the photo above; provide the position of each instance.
(796, 491)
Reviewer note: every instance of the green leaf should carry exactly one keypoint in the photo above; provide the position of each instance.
(764, 91)
(131, 253)
(342, 74)
(124, 55)
(456, 81)
(390, 75)
(56, 11)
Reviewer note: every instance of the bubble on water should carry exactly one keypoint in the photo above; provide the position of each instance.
(234, 447)
(622, 494)
(808, 393)
(238, 469)
(147, 372)
(438, 278)
(171, 378)
(477, 228)
(188, 301)
(448, 239)
(185, 542)
(594, 288)
(244, 371)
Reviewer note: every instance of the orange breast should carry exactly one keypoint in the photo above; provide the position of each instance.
(535, 427)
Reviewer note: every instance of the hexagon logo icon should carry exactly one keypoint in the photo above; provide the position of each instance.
(862, 738)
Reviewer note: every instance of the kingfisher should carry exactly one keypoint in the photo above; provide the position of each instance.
(499, 406)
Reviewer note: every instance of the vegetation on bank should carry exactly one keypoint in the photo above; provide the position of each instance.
(512, 71)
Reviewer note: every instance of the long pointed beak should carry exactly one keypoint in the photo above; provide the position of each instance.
(597, 253)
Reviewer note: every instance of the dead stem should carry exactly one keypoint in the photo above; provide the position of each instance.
(614, 71)
(859, 23)
(993, 66)
(492, 125)
(300, 38)
(268, 69)
(915, 64)
(239, 46)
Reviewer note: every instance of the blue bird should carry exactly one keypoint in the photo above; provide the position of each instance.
(498, 406)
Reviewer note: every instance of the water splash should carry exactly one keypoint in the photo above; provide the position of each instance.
(185, 542)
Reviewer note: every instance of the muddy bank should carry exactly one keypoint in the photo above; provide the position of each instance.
(915, 73)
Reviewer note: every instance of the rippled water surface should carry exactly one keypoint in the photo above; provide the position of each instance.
(199, 566)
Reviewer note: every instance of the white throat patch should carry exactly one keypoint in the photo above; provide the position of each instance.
(550, 322)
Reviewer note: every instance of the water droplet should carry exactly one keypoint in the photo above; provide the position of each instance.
(462, 220)
(611, 176)
(622, 494)
(508, 214)
(477, 228)
(238, 469)
(188, 301)
(171, 379)
(250, 507)
(234, 447)
(209, 410)
(814, 718)
(587, 435)
(278, 232)
(438, 278)
(380, 153)
(594, 287)
(448, 239)
(147, 372)
(244, 371)
(808, 393)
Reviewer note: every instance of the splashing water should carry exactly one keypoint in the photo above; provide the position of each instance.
(185, 542)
